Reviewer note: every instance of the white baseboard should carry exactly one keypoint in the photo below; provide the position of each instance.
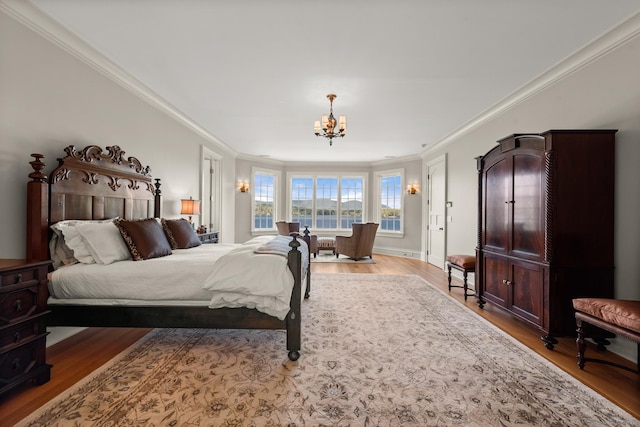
(59, 333)
(622, 347)
(403, 253)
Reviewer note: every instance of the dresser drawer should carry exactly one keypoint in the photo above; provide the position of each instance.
(24, 275)
(20, 304)
(21, 360)
(20, 278)
(22, 332)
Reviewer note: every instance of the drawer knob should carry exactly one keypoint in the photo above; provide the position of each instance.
(16, 364)
(17, 305)
(17, 337)
(18, 278)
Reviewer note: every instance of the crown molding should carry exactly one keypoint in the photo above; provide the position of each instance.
(303, 163)
(626, 31)
(29, 15)
(260, 159)
(395, 160)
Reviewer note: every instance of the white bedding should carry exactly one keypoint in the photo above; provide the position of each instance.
(217, 275)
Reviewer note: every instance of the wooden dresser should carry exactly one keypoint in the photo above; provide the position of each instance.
(23, 303)
(545, 225)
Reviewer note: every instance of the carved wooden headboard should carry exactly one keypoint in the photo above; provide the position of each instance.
(87, 184)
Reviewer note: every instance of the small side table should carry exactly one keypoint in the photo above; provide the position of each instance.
(210, 237)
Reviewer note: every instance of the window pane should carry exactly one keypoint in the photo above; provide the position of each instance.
(302, 201)
(263, 191)
(327, 203)
(391, 202)
(350, 201)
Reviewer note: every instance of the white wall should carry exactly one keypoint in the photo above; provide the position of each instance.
(602, 94)
(50, 99)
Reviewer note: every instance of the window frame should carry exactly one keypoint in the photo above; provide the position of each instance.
(378, 176)
(314, 177)
(277, 175)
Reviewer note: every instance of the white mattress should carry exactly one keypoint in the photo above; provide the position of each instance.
(232, 273)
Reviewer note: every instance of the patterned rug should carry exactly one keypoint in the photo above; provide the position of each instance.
(378, 350)
(329, 257)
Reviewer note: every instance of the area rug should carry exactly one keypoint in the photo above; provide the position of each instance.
(329, 257)
(378, 350)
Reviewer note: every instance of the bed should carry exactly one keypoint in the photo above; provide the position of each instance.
(96, 185)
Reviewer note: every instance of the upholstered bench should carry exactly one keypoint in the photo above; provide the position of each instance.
(327, 244)
(622, 317)
(464, 263)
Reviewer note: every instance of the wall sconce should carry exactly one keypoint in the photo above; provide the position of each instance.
(244, 187)
(412, 188)
(190, 207)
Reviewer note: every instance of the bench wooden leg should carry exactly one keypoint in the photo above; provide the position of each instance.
(582, 320)
(465, 285)
(582, 346)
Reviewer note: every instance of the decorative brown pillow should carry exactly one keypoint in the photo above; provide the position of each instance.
(144, 238)
(180, 233)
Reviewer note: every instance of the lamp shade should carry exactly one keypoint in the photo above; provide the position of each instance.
(190, 207)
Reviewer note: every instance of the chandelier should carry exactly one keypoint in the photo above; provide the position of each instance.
(330, 127)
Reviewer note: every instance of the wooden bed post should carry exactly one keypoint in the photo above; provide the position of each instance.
(157, 200)
(37, 212)
(293, 320)
(307, 238)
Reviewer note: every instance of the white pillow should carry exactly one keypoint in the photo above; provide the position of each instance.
(60, 252)
(104, 241)
(77, 244)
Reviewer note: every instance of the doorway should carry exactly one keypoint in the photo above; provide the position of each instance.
(210, 190)
(436, 233)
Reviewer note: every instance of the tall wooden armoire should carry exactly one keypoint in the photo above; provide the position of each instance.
(545, 225)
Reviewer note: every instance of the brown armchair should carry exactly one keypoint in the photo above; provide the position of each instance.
(360, 243)
(286, 228)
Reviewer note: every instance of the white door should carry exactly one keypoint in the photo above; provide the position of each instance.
(436, 211)
(210, 176)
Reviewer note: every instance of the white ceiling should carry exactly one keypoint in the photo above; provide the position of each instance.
(408, 73)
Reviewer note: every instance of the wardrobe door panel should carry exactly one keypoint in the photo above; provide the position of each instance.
(497, 193)
(527, 286)
(527, 233)
(496, 274)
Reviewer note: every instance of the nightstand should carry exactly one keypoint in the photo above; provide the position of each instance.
(23, 307)
(210, 237)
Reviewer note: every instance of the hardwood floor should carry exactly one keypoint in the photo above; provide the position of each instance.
(79, 355)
